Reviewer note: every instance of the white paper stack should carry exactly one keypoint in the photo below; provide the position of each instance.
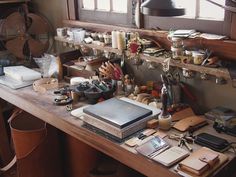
(19, 76)
(21, 73)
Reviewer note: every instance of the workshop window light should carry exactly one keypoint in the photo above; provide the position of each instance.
(201, 9)
(103, 5)
(88, 4)
(120, 6)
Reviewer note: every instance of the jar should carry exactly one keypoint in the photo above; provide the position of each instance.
(165, 122)
(198, 58)
(177, 53)
(107, 39)
(100, 37)
(176, 42)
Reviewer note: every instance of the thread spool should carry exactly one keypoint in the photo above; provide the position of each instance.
(121, 43)
(114, 39)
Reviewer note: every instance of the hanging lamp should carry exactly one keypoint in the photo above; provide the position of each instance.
(161, 8)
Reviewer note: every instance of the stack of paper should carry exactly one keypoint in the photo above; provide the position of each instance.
(21, 73)
(18, 77)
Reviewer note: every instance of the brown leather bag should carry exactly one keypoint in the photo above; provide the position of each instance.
(36, 146)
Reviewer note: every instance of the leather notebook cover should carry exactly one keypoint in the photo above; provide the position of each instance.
(202, 161)
(117, 112)
(193, 121)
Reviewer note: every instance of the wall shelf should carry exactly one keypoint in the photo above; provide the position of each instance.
(222, 48)
(218, 72)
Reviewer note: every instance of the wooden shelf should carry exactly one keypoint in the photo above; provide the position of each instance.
(222, 48)
(218, 72)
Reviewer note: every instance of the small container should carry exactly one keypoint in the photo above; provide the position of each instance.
(165, 123)
(177, 53)
(101, 38)
(198, 58)
(61, 32)
(177, 42)
(107, 39)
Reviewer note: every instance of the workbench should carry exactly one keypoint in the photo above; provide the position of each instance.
(41, 106)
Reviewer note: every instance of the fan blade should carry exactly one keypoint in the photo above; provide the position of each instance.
(16, 46)
(36, 47)
(14, 25)
(39, 25)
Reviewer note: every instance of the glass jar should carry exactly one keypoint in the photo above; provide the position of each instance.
(198, 58)
(177, 53)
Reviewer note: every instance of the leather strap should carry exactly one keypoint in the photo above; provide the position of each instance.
(8, 167)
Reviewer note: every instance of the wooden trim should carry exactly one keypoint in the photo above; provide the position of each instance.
(103, 27)
(72, 6)
(233, 27)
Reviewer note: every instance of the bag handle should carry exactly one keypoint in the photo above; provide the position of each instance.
(8, 167)
(15, 113)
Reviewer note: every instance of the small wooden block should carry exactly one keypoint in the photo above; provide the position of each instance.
(152, 123)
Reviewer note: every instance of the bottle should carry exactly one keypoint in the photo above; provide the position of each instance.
(164, 117)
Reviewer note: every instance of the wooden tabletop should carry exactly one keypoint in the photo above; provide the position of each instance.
(41, 106)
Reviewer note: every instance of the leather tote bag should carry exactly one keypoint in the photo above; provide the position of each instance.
(36, 146)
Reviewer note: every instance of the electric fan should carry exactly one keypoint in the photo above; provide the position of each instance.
(27, 34)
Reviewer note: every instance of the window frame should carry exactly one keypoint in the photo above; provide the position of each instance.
(164, 23)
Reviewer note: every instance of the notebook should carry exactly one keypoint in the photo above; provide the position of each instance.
(171, 156)
(117, 112)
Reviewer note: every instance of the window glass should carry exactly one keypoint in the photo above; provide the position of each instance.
(211, 11)
(189, 5)
(119, 6)
(88, 4)
(103, 5)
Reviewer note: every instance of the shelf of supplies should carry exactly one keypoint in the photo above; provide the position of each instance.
(218, 72)
(107, 48)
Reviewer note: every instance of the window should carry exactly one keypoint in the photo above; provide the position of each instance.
(114, 12)
(200, 15)
(119, 6)
(201, 9)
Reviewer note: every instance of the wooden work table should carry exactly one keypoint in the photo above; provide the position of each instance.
(41, 106)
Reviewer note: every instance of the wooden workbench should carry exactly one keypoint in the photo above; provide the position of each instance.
(41, 106)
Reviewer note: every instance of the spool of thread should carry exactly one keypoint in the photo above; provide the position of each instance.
(114, 39)
(121, 43)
